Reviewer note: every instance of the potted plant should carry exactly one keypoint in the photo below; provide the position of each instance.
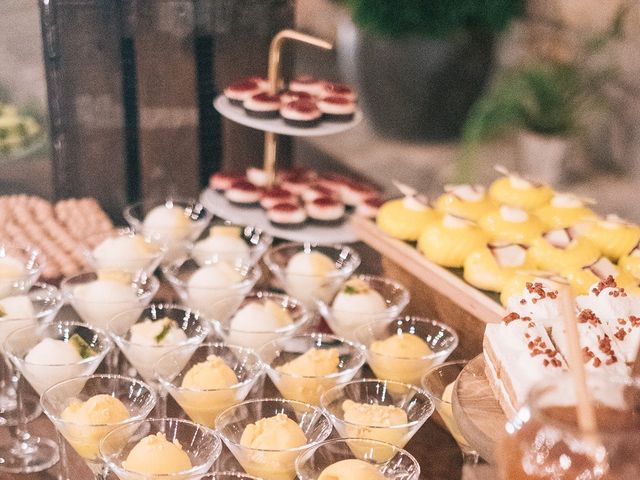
(419, 65)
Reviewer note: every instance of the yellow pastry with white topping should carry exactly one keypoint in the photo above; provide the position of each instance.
(518, 192)
(561, 250)
(466, 201)
(583, 278)
(614, 236)
(511, 225)
(449, 241)
(405, 218)
(492, 266)
(564, 210)
(305, 377)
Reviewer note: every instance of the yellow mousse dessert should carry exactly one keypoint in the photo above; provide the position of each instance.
(614, 236)
(560, 250)
(466, 201)
(518, 192)
(630, 263)
(375, 422)
(400, 358)
(155, 455)
(270, 438)
(405, 218)
(564, 210)
(304, 378)
(205, 390)
(87, 423)
(308, 276)
(449, 241)
(445, 410)
(511, 225)
(493, 265)
(351, 469)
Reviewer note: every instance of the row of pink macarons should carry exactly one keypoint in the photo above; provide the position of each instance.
(324, 198)
(307, 101)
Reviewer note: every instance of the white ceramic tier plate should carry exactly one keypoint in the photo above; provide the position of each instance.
(256, 216)
(277, 125)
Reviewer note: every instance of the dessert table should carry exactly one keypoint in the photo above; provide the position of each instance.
(433, 447)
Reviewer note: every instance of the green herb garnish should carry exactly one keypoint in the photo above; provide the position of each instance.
(166, 328)
(81, 345)
(349, 290)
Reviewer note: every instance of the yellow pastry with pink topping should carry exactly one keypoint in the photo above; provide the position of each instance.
(560, 250)
(614, 236)
(450, 240)
(467, 201)
(493, 265)
(565, 210)
(513, 190)
(511, 225)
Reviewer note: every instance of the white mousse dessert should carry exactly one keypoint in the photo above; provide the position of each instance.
(257, 323)
(211, 284)
(355, 305)
(98, 301)
(168, 222)
(224, 243)
(11, 269)
(15, 312)
(124, 252)
(309, 277)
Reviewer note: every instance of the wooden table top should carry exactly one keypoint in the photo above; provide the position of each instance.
(433, 447)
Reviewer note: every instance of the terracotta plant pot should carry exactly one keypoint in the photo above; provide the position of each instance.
(415, 87)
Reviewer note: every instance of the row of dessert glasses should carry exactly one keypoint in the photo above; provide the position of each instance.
(309, 282)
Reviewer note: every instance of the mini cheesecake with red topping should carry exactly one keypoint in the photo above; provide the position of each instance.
(369, 208)
(277, 195)
(291, 96)
(262, 105)
(258, 176)
(338, 90)
(307, 84)
(243, 193)
(222, 181)
(287, 215)
(353, 194)
(241, 90)
(333, 181)
(337, 109)
(326, 210)
(317, 191)
(301, 113)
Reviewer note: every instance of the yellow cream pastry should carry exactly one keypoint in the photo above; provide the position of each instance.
(351, 469)
(87, 423)
(445, 410)
(405, 218)
(564, 210)
(511, 225)
(583, 278)
(517, 192)
(400, 358)
(466, 201)
(376, 422)
(271, 437)
(305, 376)
(493, 265)
(208, 394)
(449, 241)
(614, 236)
(561, 250)
(630, 262)
(155, 455)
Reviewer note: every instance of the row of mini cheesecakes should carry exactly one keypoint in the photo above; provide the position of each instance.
(306, 102)
(530, 344)
(298, 195)
(502, 234)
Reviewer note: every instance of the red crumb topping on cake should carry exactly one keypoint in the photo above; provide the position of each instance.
(243, 85)
(635, 321)
(244, 186)
(510, 318)
(537, 288)
(587, 316)
(266, 98)
(604, 344)
(303, 106)
(337, 100)
(608, 282)
(285, 207)
(325, 202)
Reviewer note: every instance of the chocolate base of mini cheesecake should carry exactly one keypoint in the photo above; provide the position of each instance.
(327, 223)
(302, 123)
(236, 102)
(262, 114)
(333, 117)
(288, 226)
(244, 204)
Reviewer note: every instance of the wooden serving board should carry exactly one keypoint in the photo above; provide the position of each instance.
(476, 410)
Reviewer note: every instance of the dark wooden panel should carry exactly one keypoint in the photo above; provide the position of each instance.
(82, 57)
